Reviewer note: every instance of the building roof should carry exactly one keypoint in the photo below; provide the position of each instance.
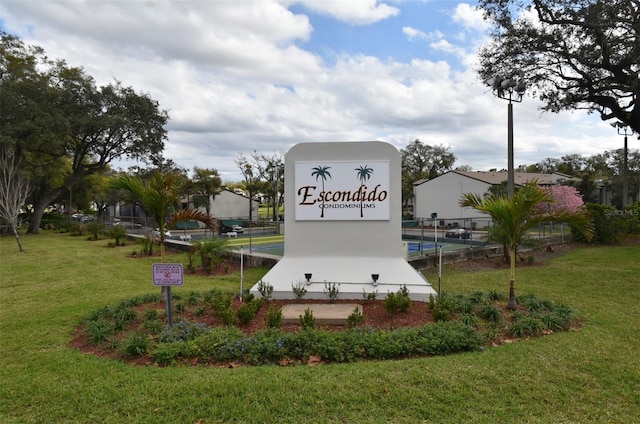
(520, 178)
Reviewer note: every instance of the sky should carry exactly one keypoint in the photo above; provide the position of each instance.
(238, 76)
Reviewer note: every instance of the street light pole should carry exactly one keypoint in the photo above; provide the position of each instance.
(512, 91)
(510, 164)
(622, 130)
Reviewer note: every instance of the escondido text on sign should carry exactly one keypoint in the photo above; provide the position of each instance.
(343, 191)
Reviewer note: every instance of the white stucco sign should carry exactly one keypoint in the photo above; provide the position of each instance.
(342, 191)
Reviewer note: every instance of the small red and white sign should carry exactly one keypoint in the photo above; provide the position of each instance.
(167, 274)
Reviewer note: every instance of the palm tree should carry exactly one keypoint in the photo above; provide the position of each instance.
(516, 215)
(364, 173)
(321, 172)
(160, 196)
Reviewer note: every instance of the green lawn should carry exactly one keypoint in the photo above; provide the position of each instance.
(587, 376)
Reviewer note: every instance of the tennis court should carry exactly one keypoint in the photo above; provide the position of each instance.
(274, 245)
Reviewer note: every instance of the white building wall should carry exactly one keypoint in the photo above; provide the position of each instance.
(228, 204)
(442, 195)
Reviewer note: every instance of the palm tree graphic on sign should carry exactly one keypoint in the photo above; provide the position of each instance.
(321, 172)
(364, 173)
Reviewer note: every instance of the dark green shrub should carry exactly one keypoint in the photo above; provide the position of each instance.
(398, 302)
(118, 233)
(308, 321)
(167, 353)
(153, 326)
(228, 317)
(193, 298)
(497, 296)
(606, 222)
(151, 315)
(221, 301)
(123, 315)
(136, 344)
(95, 228)
(183, 330)
(533, 303)
(475, 298)
(490, 313)
(76, 229)
(526, 325)
(356, 318)
(220, 344)
(273, 318)
(246, 313)
(469, 319)
(99, 330)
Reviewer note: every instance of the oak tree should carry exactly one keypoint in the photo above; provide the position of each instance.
(575, 54)
(63, 127)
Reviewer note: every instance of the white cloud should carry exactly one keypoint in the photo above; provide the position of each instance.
(417, 35)
(355, 12)
(234, 80)
(469, 17)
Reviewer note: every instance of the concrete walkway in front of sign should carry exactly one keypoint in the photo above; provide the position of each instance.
(324, 314)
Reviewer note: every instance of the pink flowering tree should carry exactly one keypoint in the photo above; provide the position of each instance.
(565, 199)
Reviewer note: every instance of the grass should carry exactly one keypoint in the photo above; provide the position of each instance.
(592, 375)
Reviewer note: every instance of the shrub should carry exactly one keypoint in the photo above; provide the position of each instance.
(469, 319)
(123, 315)
(193, 298)
(307, 321)
(136, 344)
(273, 318)
(220, 344)
(299, 289)
(118, 233)
(369, 296)
(212, 252)
(151, 315)
(99, 330)
(526, 325)
(533, 303)
(356, 318)
(183, 330)
(246, 313)
(497, 296)
(398, 302)
(228, 316)
(221, 301)
(332, 290)
(153, 326)
(491, 313)
(76, 229)
(265, 289)
(95, 228)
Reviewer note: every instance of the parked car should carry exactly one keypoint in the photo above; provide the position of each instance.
(224, 229)
(460, 233)
(156, 233)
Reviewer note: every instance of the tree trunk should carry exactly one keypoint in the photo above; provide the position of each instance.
(15, 232)
(38, 210)
(512, 304)
(36, 219)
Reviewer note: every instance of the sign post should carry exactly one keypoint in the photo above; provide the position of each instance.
(168, 275)
(434, 216)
